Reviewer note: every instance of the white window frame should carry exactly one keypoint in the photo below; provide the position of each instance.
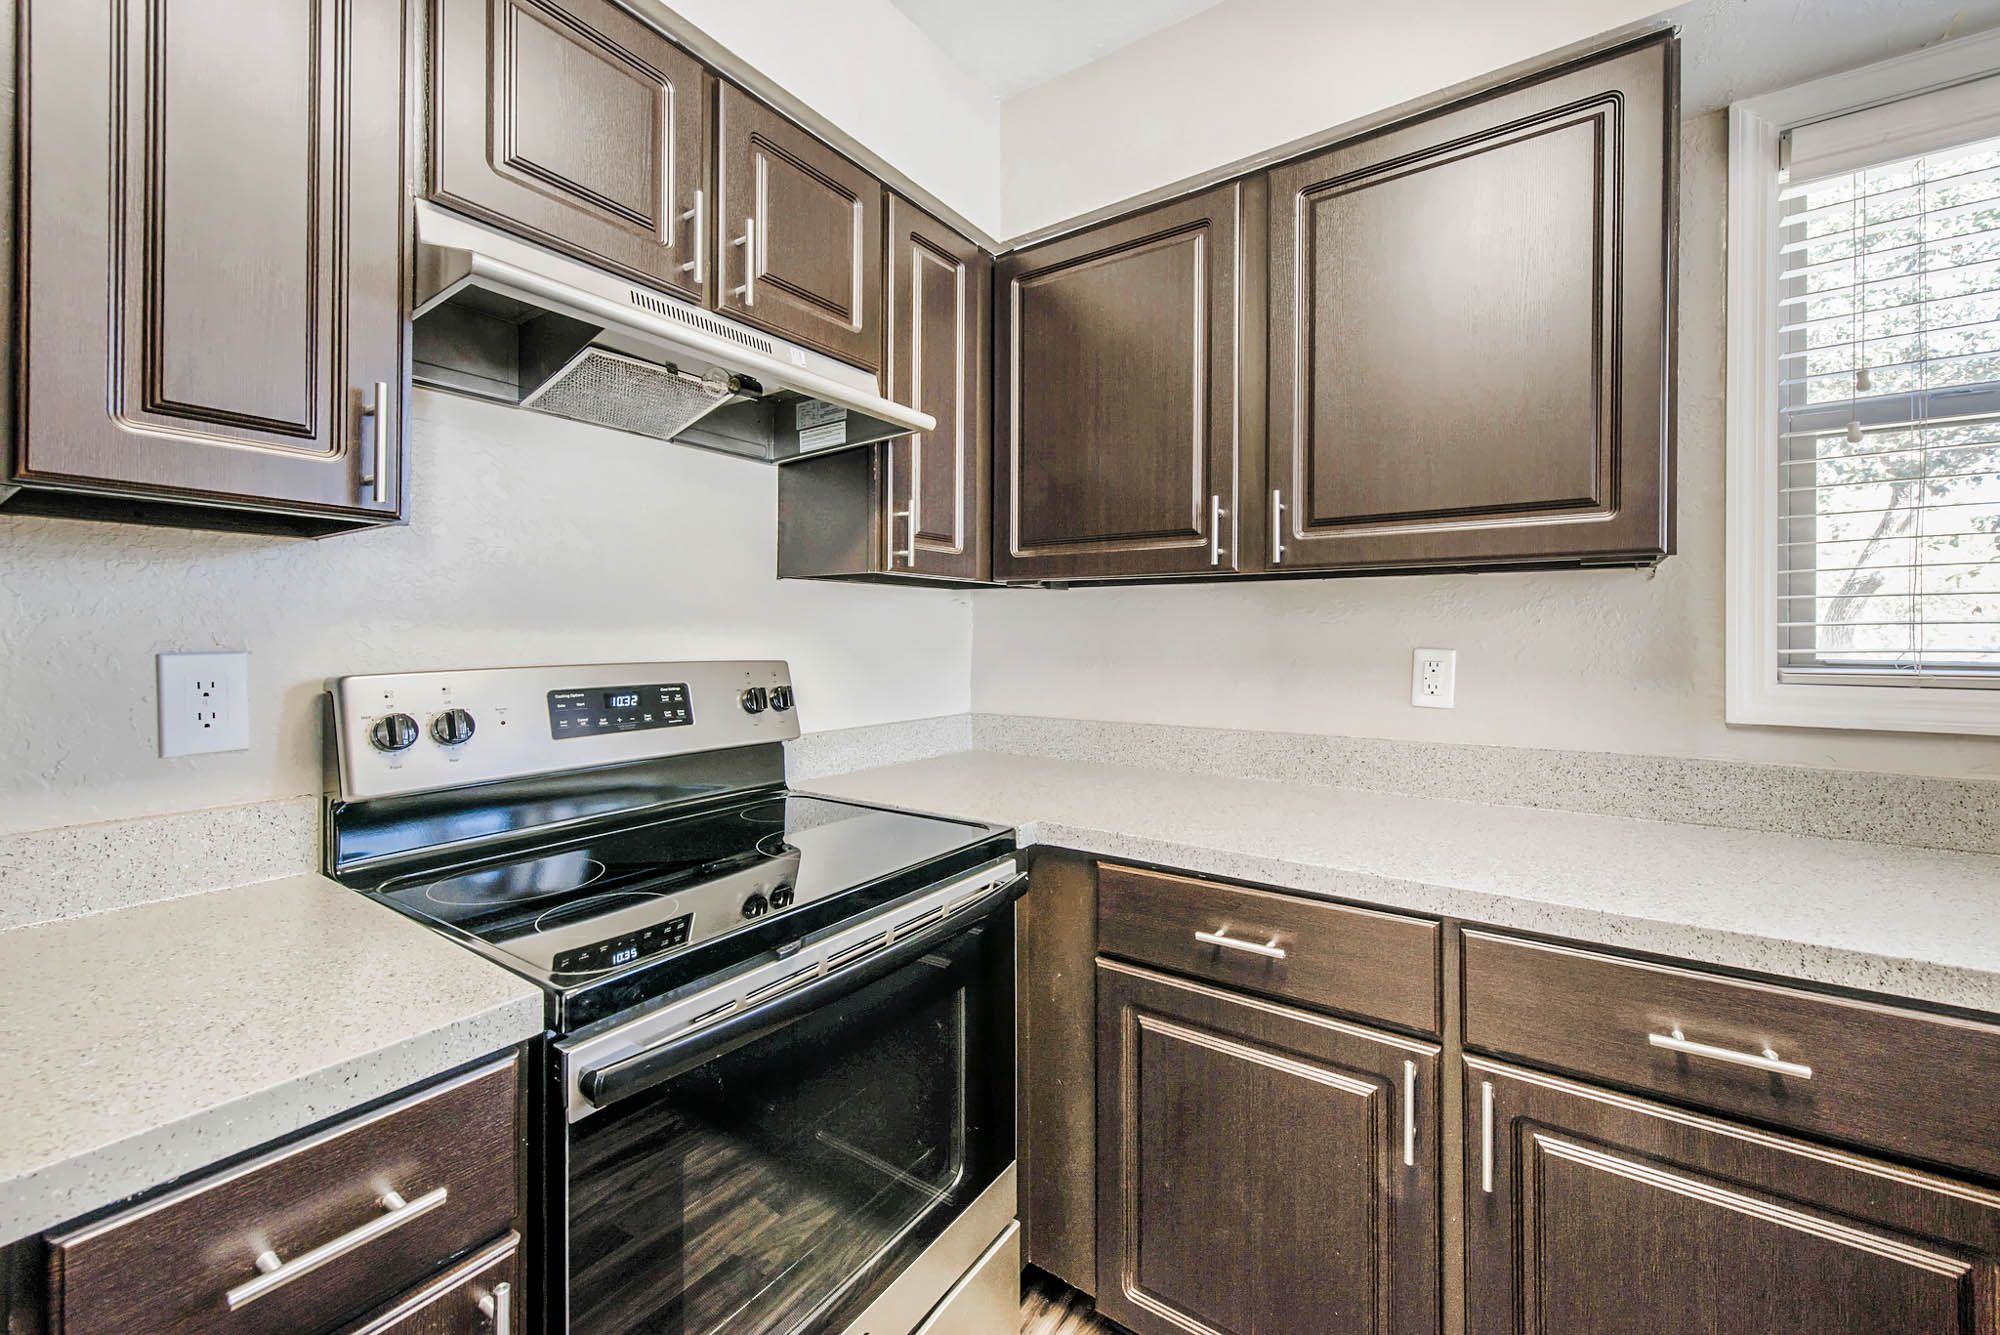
(1755, 695)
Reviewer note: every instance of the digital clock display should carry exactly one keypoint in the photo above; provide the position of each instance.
(624, 700)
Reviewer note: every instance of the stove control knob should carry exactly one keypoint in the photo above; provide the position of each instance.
(781, 896)
(452, 728)
(393, 732)
(754, 906)
(755, 699)
(781, 698)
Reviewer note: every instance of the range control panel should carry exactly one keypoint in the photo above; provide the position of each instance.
(413, 732)
(618, 951)
(586, 713)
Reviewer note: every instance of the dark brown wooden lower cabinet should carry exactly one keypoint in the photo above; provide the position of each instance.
(1593, 1213)
(1261, 1170)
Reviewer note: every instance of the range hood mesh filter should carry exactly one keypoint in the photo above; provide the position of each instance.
(608, 389)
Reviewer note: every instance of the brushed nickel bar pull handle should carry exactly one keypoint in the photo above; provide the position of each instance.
(1409, 1114)
(1766, 1060)
(1277, 525)
(1486, 1136)
(1221, 937)
(1215, 513)
(276, 1274)
(498, 1307)
(376, 414)
(909, 553)
(699, 216)
(749, 243)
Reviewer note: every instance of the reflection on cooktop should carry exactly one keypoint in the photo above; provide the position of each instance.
(516, 882)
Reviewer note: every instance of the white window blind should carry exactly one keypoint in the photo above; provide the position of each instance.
(1889, 405)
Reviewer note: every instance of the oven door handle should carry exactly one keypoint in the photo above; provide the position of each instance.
(610, 1083)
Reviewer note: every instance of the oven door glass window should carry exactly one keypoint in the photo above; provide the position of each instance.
(781, 1186)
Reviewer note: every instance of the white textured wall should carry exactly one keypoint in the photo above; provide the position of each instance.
(866, 67)
(1249, 75)
(535, 540)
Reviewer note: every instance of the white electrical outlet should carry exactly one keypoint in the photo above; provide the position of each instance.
(1434, 678)
(204, 703)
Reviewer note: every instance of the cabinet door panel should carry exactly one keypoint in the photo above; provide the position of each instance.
(940, 361)
(1471, 316)
(240, 165)
(1260, 1170)
(1119, 400)
(801, 231)
(1611, 1216)
(576, 125)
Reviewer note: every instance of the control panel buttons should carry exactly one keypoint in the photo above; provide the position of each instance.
(451, 728)
(781, 698)
(755, 906)
(393, 732)
(756, 700)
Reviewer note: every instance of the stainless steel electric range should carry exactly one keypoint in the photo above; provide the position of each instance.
(776, 1094)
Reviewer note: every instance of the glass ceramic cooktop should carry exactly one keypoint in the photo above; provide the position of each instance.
(570, 913)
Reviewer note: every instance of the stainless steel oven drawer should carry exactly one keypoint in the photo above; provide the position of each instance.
(988, 1297)
(932, 1282)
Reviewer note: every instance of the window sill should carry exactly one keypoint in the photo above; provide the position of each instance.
(1971, 711)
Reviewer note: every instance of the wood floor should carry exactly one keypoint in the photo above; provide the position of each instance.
(1052, 1308)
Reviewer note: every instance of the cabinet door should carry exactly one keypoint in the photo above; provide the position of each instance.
(800, 234)
(578, 126)
(1261, 1171)
(1120, 387)
(213, 249)
(1598, 1214)
(940, 361)
(1470, 330)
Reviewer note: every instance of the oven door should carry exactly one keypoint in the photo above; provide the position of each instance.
(780, 1172)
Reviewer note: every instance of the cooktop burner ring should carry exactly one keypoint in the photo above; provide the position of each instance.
(475, 894)
(759, 812)
(590, 906)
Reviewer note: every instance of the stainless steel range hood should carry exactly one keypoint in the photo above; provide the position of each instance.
(501, 318)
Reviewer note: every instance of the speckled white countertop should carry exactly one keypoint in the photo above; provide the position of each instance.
(1911, 922)
(145, 1043)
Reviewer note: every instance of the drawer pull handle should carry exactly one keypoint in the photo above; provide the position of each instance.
(276, 1274)
(1766, 1060)
(1269, 950)
(498, 1307)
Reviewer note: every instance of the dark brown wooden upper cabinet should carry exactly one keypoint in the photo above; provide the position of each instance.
(1471, 325)
(918, 508)
(578, 126)
(1588, 1211)
(1261, 1169)
(1125, 390)
(799, 232)
(940, 293)
(213, 234)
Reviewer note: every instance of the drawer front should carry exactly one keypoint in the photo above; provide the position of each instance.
(170, 1266)
(481, 1296)
(1360, 961)
(1919, 1085)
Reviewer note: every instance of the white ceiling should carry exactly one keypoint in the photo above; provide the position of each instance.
(1014, 45)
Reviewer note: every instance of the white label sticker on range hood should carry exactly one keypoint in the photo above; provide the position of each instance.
(820, 424)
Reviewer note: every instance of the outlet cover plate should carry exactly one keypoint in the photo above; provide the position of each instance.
(204, 702)
(1434, 679)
